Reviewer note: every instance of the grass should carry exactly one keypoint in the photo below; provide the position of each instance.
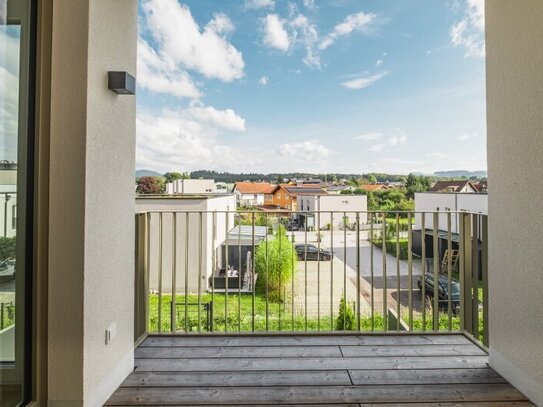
(391, 247)
(279, 317)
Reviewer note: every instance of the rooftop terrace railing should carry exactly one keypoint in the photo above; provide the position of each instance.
(311, 271)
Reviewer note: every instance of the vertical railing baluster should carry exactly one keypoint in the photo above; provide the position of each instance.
(214, 266)
(385, 294)
(280, 249)
(461, 268)
(435, 244)
(187, 234)
(475, 276)
(398, 292)
(160, 272)
(344, 223)
(267, 285)
(252, 275)
(358, 271)
(200, 263)
(318, 271)
(372, 294)
(332, 272)
(227, 230)
(240, 221)
(484, 267)
(423, 271)
(449, 270)
(410, 268)
(173, 315)
(305, 267)
(292, 275)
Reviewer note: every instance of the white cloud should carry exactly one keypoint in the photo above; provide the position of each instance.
(275, 34)
(437, 155)
(306, 151)
(465, 137)
(310, 4)
(468, 32)
(158, 74)
(186, 138)
(379, 62)
(182, 42)
(361, 22)
(264, 81)
(397, 139)
(258, 4)
(226, 119)
(361, 83)
(307, 35)
(372, 136)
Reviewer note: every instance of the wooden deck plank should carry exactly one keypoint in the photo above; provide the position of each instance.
(284, 340)
(166, 352)
(316, 394)
(410, 350)
(429, 376)
(311, 363)
(238, 378)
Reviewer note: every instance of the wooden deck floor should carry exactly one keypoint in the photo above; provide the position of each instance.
(444, 370)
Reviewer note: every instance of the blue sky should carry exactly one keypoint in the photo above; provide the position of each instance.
(311, 85)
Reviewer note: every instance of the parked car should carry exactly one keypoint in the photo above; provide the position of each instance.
(313, 252)
(292, 226)
(443, 288)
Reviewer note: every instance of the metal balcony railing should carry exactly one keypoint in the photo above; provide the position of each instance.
(311, 271)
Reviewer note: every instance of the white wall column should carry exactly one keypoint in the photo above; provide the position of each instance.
(514, 33)
(91, 235)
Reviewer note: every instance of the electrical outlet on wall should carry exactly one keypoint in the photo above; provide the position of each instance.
(111, 333)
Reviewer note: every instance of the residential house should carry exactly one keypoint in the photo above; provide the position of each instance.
(316, 210)
(191, 186)
(284, 195)
(338, 189)
(462, 186)
(8, 199)
(253, 193)
(374, 187)
(206, 234)
(481, 186)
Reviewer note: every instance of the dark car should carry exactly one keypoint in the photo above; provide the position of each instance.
(311, 252)
(292, 227)
(443, 290)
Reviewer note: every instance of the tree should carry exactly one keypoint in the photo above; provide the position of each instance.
(276, 261)
(174, 176)
(7, 248)
(345, 320)
(150, 185)
(372, 179)
(417, 184)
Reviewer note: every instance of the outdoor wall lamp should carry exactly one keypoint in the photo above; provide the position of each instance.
(122, 83)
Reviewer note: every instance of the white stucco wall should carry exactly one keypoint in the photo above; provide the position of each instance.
(91, 238)
(429, 202)
(514, 32)
(336, 204)
(197, 234)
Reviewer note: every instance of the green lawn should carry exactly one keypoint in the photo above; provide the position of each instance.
(279, 316)
(391, 247)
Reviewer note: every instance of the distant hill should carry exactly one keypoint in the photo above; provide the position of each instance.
(460, 174)
(147, 173)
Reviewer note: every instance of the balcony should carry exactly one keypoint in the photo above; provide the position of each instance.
(331, 308)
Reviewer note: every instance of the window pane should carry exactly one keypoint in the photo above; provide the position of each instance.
(14, 68)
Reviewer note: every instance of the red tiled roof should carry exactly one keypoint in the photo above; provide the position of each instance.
(373, 187)
(254, 187)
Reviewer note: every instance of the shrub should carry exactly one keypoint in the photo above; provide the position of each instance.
(277, 269)
(345, 320)
(7, 248)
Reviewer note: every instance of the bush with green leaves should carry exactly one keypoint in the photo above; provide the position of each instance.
(276, 261)
(7, 248)
(345, 320)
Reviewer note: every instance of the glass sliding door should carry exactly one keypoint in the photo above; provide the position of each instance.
(16, 146)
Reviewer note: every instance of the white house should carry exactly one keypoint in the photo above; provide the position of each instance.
(8, 202)
(252, 193)
(447, 201)
(206, 226)
(344, 208)
(191, 186)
